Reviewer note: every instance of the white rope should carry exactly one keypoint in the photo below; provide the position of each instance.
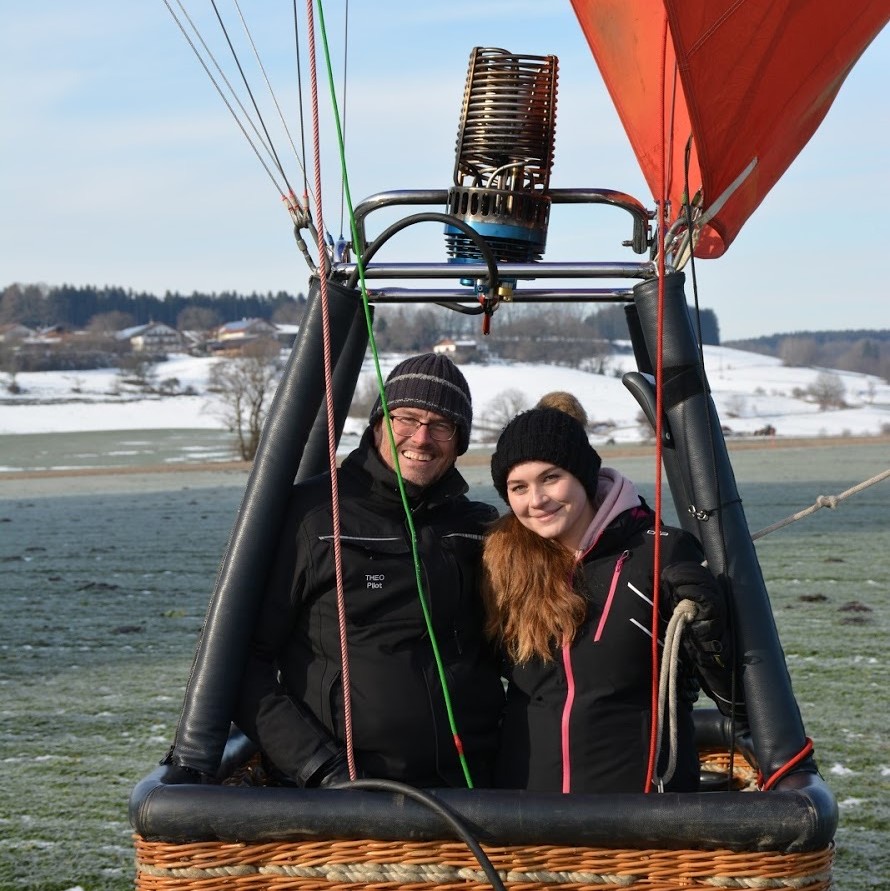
(435, 873)
(829, 501)
(667, 686)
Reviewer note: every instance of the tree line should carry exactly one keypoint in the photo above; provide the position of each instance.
(518, 332)
(39, 306)
(861, 351)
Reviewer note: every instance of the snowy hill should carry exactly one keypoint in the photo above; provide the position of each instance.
(750, 390)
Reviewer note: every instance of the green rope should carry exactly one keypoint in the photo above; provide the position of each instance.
(380, 385)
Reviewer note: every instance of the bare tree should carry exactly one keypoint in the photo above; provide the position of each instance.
(197, 318)
(11, 364)
(138, 370)
(500, 410)
(736, 406)
(647, 434)
(289, 312)
(245, 385)
(363, 399)
(827, 391)
(109, 322)
(798, 351)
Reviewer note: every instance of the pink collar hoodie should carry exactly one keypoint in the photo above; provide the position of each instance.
(615, 493)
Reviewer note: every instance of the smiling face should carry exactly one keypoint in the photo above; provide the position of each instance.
(422, 459)
(549, 501)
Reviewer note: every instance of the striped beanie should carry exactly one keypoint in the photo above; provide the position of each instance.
(433, 383)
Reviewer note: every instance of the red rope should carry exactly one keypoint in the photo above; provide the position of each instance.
(329, 402)
(805, 752)
(661, 204)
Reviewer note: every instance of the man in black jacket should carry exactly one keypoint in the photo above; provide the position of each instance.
(292, 697)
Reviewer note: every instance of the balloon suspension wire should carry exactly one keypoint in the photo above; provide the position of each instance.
(300, 102)
(345, 81)
(273, 97)
(252, 99)
(260, 142)
(652, 765)
(247, 117)
(329, 403)
(386, 422)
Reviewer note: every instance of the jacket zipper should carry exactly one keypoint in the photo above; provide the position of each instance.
(570, 677)
(566, 716)
(613, 587)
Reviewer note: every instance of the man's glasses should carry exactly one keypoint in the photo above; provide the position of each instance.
(441, 431)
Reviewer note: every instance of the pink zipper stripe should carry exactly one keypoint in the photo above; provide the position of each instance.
(566, 715)
(613, 587)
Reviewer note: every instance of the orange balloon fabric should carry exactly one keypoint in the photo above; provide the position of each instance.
(748, 80)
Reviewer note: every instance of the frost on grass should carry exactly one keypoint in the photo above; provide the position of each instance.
(849, 803)
(840, 771)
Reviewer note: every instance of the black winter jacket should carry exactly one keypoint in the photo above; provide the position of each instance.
(400, 726)
(594, 701)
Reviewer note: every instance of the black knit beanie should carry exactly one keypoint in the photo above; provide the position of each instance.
(434, 383)
(545, 434)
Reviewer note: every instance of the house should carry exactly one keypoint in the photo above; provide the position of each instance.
(287, 334)
(458, 350)
(52, 333)
(245, 330)
(155, 337)
(233, 337)
(13, 332)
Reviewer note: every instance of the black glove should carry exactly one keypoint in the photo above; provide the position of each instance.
(333, 771)
(708, 630)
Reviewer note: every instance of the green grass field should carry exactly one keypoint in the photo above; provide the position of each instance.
(103, 596)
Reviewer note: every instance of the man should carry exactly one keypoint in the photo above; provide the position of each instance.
(292, 698)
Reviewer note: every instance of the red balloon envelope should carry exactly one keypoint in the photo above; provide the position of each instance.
(748, 80)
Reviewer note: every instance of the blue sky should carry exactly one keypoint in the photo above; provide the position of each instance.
(120, 165)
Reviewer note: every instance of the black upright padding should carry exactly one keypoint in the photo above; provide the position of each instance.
(316, 456)
(774, 717)
(638, 340)
(221, 650)
(641, 385)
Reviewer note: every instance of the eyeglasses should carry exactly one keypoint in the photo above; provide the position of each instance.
(441, 431)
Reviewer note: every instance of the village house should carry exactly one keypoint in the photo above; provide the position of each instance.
(13, 332)
(244, 330)
(458, 350)
(232, 337)
(155, 337)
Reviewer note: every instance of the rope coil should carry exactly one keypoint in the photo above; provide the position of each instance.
(667, 687)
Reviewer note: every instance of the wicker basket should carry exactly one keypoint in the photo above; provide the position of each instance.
(332, 864)
(447, 865)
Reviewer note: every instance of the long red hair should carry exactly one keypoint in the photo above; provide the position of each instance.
(530, 605)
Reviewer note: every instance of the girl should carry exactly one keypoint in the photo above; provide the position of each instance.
(568, 588)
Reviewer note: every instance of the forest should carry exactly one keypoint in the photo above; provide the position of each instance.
(75, 308)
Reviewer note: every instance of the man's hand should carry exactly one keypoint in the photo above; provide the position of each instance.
(692, 581)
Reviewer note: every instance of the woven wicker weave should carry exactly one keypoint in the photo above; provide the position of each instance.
(717, 762)
(441, 866)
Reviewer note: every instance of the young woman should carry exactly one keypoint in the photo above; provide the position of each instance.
(568, 588)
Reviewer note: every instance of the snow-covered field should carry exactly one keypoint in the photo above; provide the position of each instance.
(750, 391)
